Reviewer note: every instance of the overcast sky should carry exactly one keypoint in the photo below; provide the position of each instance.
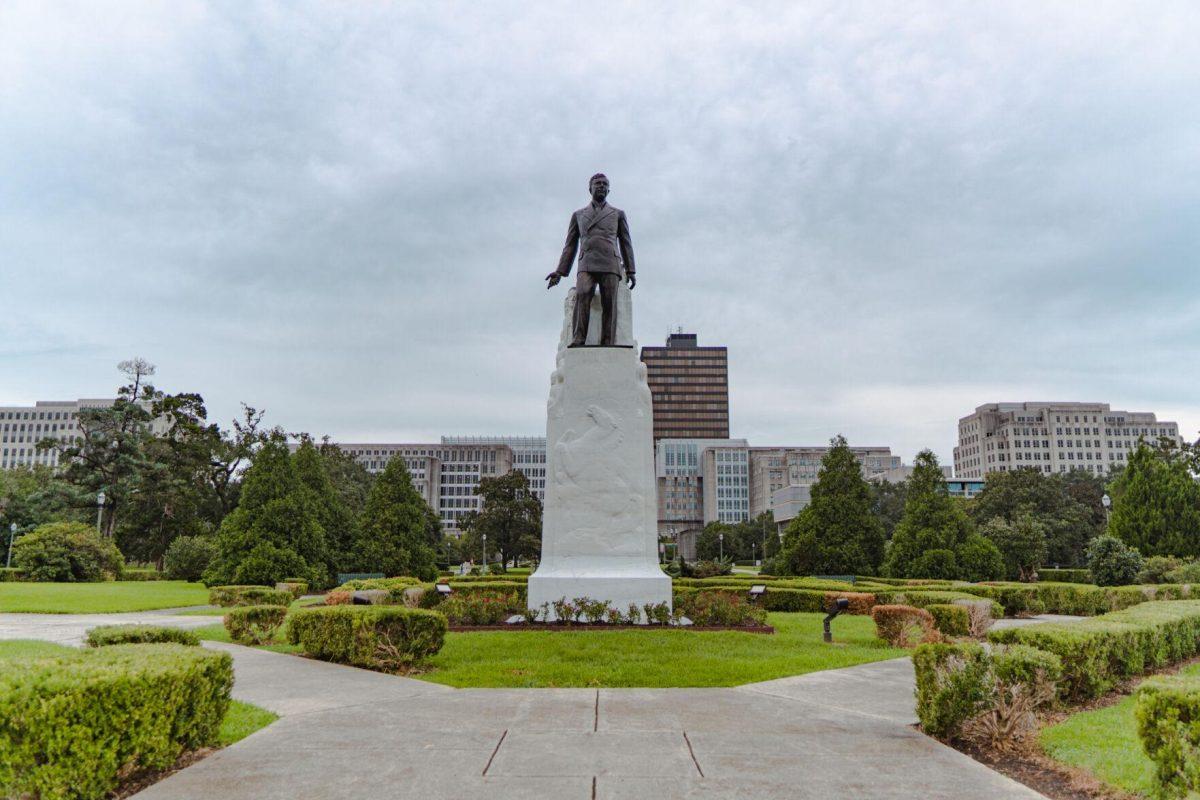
(343, 212)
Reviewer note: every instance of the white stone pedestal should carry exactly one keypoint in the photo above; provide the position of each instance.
(600, 521)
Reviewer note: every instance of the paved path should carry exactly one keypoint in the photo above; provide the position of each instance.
(72, 628)
(350, 733)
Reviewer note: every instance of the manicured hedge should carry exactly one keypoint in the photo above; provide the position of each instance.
(1168, 716)
(296, 588)
(921, 598)
(139, 574)
(227, 596)
(253, 625)
(106, 635)
(1065, 575)
(72, 726)
(1097, 652)
(376, 637)
(950, 620)
(785, 599)
(957, 683)
(11, 574)
(432, 598)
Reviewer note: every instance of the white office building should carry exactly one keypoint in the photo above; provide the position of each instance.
(529, 456)
(1052, 437)
(22, 427)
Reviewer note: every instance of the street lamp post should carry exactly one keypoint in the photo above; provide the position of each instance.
(484, 571)
(1106, 501)
(99, 510)
(721, 540)
(12, 533)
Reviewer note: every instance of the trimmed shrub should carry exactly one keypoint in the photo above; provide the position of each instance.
(188, 556)
(67, 552)
(1112, 562)
(936, 563)
(253, 625)
(105, 635)
(979, 616)
(339, 597)
(993, 694)
(11, 575)
(102, 714)
(1168, 717)
(903, 626)
(227, 596)
(432, 599)
(950, 620)
(860, 602)
(920, 598)
(716, 608)
(785, 598)
(1188, 573)
(1065, 575)
(1097, 652)
(1156, 568)
(388, 638)
(142, 574)
(296, 588)
(951, 686)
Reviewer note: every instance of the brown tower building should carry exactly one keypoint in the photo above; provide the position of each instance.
(690, 387)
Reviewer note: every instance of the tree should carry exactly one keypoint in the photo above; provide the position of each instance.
(109, 456)
(1022, 543)
(1112, 562)
(978, 559)
(274, 532)
(338, 522)
(838, 532)
(393, 530)
(349, 477)
(1156, 502)
(511, 517)
(1057, 503)
(931, 521)
(888, 502)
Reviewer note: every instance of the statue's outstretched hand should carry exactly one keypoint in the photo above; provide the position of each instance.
(552, 279)
(632, 282)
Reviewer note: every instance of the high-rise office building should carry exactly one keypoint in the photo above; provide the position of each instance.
(689, 385)
(529, 456)
(1052, 437)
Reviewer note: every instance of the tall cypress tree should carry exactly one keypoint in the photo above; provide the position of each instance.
(336, 519)
(274, 532)
(393, 536)
(838, 532)
(1156, 503)
(933, 528)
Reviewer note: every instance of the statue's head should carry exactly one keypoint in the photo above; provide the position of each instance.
(598, 187)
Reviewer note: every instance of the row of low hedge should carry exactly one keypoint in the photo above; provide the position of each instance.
(11, 574)
(252, 625)
(141, 574)
(106, 635)
(786, 599)
(1099, 651)
(1168, 719)
(228, 596)
(1065, 575)
(74, 725)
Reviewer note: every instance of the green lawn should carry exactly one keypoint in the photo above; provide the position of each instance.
(1105, 743)
(654, 658)
(99, 598)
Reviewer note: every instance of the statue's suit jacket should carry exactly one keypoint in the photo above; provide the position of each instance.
(602, 235)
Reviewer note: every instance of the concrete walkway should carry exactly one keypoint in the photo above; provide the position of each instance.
(350, 733)
(71, 629)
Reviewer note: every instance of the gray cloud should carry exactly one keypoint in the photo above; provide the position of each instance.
(342, 213)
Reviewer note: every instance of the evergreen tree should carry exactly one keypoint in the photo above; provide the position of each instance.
(1052, 500)
(274, 532)
(932, 521)
(1022, 543)
(393, 532)
(338, 522)
(838, 532)
(1156, 503)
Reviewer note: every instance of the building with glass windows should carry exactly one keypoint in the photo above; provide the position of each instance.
(689, 387)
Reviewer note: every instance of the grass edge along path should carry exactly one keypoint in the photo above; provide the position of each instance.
(1105, 743)
(651, 658)
(108, 597)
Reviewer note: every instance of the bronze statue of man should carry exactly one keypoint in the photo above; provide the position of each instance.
(601, 233)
